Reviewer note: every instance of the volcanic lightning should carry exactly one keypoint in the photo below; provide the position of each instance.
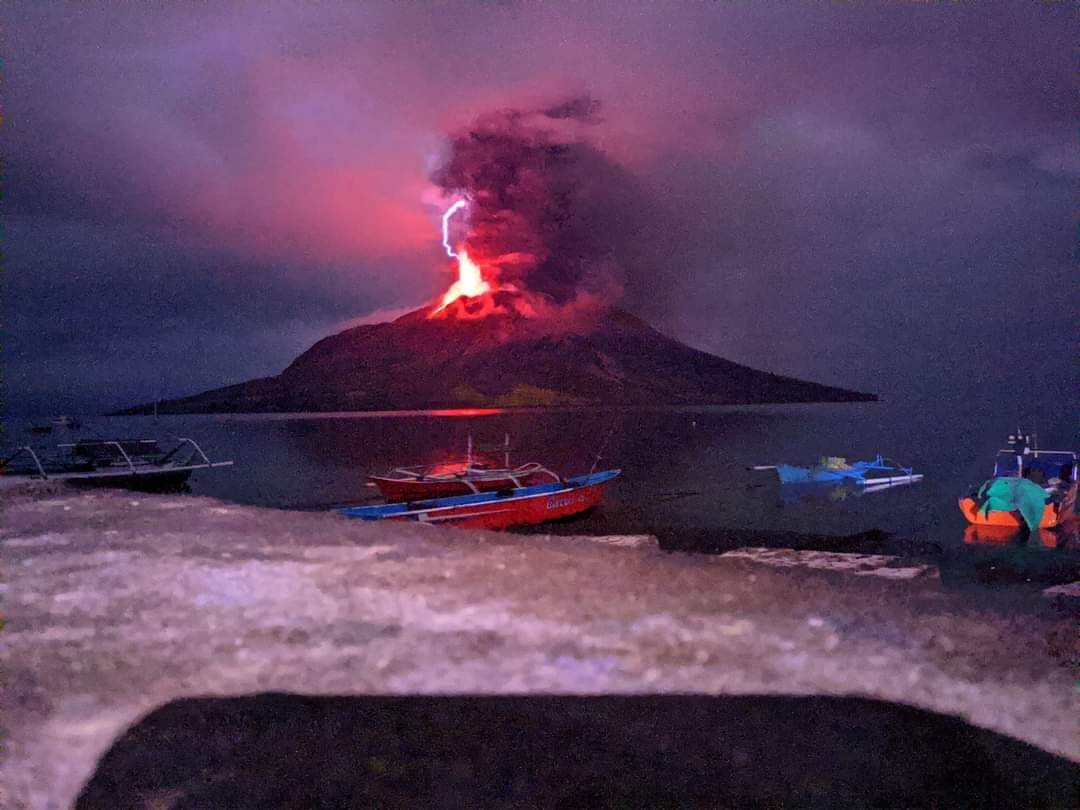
(470, 283)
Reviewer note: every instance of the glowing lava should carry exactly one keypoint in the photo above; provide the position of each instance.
(470, 282)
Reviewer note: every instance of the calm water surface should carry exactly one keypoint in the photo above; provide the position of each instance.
(684, 470)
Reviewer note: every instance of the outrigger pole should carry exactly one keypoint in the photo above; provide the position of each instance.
(599, 452)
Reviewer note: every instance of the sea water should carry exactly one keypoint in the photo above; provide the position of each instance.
(685, 470)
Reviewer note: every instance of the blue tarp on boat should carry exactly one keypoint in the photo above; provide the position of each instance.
(837, 470)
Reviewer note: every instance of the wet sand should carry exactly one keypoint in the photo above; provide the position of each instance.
(117, 604)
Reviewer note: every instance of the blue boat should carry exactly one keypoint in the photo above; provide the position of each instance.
(879, 471)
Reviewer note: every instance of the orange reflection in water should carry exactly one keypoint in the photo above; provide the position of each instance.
(466, 411)
(1005, 536)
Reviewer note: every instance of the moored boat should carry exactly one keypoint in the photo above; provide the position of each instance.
(1030, 487)
(878, 471)
(502, 509)
(132, 463)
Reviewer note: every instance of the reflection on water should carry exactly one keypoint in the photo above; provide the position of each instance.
(685, 470)
(832, 492)
(1063, 537)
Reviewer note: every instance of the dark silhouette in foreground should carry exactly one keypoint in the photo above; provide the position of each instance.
(280, 750)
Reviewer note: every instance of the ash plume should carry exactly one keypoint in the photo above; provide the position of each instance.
(548, 209)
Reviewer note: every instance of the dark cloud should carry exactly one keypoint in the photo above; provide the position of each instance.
(853, 193)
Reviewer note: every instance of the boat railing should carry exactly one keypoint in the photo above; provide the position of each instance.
(110, 443)
(124, 458)
(1008, 462)
(186, 442)
(1029, 451)
(426, 470)
(421, 471)
(891, 463)
(29, 451)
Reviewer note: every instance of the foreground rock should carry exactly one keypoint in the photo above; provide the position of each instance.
(116, 604)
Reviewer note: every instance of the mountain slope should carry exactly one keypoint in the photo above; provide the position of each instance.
(417, 362)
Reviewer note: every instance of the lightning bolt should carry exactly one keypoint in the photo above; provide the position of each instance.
(470, 282)
(453, 209)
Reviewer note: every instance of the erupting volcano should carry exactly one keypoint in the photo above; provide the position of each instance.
(544, 237)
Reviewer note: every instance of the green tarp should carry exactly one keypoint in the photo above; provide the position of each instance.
(1009, 494)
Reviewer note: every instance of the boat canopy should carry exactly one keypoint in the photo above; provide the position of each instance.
(1051, 463)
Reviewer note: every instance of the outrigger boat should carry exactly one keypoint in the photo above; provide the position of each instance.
(132, 463)
(1030, 488)
(502, 509)
(877, 472)
(470, 476)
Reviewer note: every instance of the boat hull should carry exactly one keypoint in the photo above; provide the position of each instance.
(528, 512)
(396, 489)
(528, 506)
(811, 475)
(1005, 520)
(170, 481)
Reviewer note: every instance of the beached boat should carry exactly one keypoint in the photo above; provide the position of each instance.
(469, 476)
(877, 472)
(1030, 487)
(132, 463)
(503, 509)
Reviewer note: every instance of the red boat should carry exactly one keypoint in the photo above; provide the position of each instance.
(473, 475)
(524, 506)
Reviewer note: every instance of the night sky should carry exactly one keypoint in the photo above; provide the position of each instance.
(875, 196)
